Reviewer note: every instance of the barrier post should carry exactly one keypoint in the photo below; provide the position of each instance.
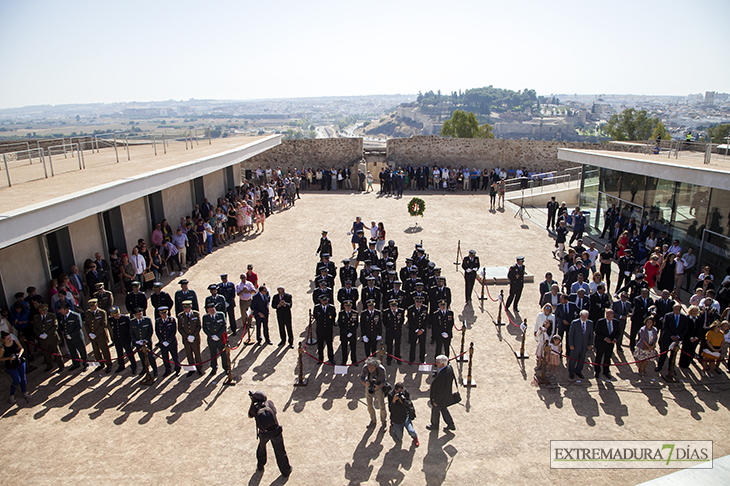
(78, 155)
(50, 161)
(310, 339)
(469, 381)
(300, 380)
(462, 357)
(499, 322)
(458, 252)
(43, 161)
(229, 381)
(672, 359)
(249, 340)
(126, 144)
(116, 151)
(483, 280)
(7, 170)
(381, 351)
(148, 380)
(522, 354)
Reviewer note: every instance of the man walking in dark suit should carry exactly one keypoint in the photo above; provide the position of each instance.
(581, 340)
(516, 276)
(552, 208)
(470, 264)
(441, 395)
(673, 330)
(565, 313)
(260, 309)
(282, 303)
(607, 330)
(325, 317)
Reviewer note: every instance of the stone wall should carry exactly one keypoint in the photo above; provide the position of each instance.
(483, 153)
(314, 153)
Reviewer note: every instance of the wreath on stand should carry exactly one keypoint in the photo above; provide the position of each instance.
(416, 207)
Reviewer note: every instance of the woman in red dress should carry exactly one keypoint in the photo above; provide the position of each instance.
(623, 242)
(651, 269)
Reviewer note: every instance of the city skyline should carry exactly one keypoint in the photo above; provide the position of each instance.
(84, 52)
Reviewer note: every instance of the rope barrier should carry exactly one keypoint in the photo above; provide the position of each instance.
(79, 359)
(699, 358)
(332, 364)
(194, 364)
(432, 364)
(489, 294)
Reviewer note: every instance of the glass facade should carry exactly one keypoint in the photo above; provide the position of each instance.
(697, 216)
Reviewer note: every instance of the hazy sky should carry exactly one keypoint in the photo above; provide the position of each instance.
(56, 52)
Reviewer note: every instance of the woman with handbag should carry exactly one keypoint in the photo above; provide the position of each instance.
(12, 354)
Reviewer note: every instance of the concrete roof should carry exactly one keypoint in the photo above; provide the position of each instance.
(50, 213)
(687, 168)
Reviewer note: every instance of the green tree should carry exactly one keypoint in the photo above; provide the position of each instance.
(719, 133)
(463, 125)
(631, 124)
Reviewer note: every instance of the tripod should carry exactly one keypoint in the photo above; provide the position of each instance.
(522, 211)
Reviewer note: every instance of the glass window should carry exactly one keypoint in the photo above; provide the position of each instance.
(589, 194)
(719, 217)
(690, 214)
(659, 203)
(611, 181)
(632, 188)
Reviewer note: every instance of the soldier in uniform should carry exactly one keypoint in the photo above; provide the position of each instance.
(95, 322)
(375, 273)
(46, 328)
(327, 264)
(325, 245)
(189, 326)
(347, 322)
(365, 272)
(217, 300)
(371, 292)
(166, 331)
(228, 291)
(393, 322)
(405, 272)
(348, 292)
(185, 294)
(421, 262)
(433, 279)
(370, 325)
(325, 317)
(347, 272)
(441, 292)
(418, 291)
(322, 289)
(470, 264)
(135, 299)
(409, 284)
(371, 253)
(105, 299)
(142, 330)
(516, 276)
(159, 298)
(418, 321)
(70, 327)
(392, 251)
(214, 326)
(396, 294)
(443, 325)
(324, 275)
(120, 326)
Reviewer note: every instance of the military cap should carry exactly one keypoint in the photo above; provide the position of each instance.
(346, 261)
(348, 281)
(183, 281)
(432, 265)
(43, 306)
(391, 242)
(224, 275)
(164, 308)
(370, 302)
(369, 277)
(375, 268)
(135, 284)
(157, 284)
(324, 232)
(472, 252)
(442, 302)
(397, 282)
(93, 301)
(324, 297)
(440, 278)
(209, 305)
(347, 303)
(212, 287)
(520, 258)
(98, 285)
(393, 301)
(137, 310)
(187, 303)
(418, 282)
(419, 298)
(114, 310)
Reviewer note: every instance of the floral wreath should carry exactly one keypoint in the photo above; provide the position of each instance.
(416, 207)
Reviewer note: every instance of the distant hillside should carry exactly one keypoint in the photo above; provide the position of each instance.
(390, 126)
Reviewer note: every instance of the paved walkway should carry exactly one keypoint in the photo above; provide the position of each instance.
(107, 429)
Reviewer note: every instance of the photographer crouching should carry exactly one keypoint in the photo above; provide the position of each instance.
(401, 413)
(268, 429)
(373, 377)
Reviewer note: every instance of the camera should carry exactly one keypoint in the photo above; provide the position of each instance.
(401, 395)
(371, 388)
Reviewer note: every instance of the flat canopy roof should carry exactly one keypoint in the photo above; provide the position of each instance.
(98, 194)
(687, 168)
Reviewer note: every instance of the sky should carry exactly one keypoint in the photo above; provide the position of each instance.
(79, 51)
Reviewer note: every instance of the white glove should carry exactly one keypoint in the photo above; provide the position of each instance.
(349, 334)
(140, 343)
(92, 335)
(444, 335)
(365, 339)
(349, 233)
(68, 336)
(165, 343)
(191, 339)
(523, 327)
(43, 336)
(215, 338)
(379, 338)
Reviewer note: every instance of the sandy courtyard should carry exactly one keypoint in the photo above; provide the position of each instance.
(107, 429)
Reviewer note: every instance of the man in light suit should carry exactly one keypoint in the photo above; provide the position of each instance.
(581, 340)
(675, 327)
(607, 330)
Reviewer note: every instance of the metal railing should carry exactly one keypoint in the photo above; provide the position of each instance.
(543, 181)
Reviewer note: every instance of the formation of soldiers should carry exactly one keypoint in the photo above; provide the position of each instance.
(412, 304)
(132, 333)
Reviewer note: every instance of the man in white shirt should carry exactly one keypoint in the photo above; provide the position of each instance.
(593, 252)
(690, 261)
(675, 248)
(244, 291)
(680, 269)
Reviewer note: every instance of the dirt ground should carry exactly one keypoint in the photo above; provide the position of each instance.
(108, 429)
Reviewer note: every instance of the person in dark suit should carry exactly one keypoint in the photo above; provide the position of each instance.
(325, 245)
(371, 327)
(443, 327)
(94, 276)
(622, 311)
(607, 332)
(347, 272)
(441, 395)
(580, 300)
(516, 276)
(166, 332)
(348, 292)
(552, 209)
(260, 310)
(565, 313)
(69, 326)
(674, 328)
(600, 301)
(641, 309)
(581, 340)
(393, 319)
(551, 297)
(470, 264)
(282, 303)
(347, 321)
(185, 294)
(418, 322)
(546, 285)
(664, 306)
